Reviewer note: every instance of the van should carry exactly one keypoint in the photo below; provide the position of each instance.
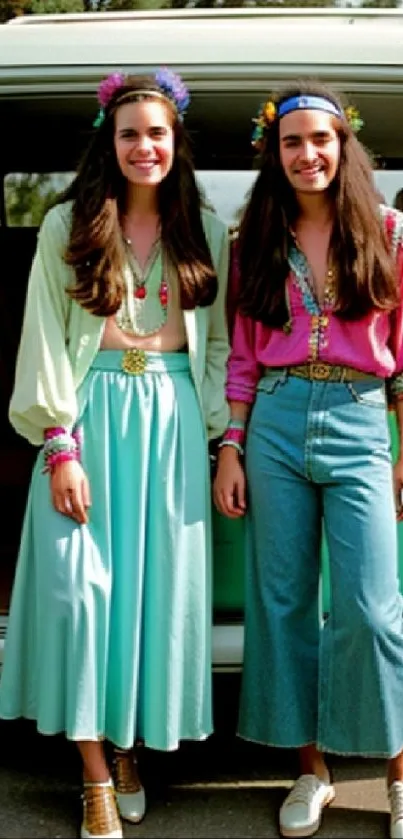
(231, 59)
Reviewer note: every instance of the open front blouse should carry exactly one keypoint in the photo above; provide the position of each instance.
(373, 344)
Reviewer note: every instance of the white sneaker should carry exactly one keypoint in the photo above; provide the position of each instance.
(301, 812)
(395, 795)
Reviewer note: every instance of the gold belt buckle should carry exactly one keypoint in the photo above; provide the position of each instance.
(320, 372)
(134, 362)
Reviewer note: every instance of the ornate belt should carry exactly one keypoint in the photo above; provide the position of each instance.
(134, 362)
(318, 371)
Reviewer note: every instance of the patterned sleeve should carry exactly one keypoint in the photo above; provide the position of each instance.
(394, 228)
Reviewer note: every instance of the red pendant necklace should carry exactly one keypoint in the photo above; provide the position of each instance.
(140, 287)
(140, 292)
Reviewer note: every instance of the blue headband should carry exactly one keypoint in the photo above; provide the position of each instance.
(308, 103)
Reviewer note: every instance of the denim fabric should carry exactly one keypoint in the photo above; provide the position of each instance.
(318, 458)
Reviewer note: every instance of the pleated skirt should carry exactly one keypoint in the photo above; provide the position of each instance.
(109, 631)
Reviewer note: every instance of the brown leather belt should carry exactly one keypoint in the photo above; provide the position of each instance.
(319, 372)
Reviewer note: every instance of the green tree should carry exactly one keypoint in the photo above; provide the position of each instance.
(27, 198)
(125, 5)
(381, 4)
(13, 8)
(51, 7)
(232, 4)
(43, 7)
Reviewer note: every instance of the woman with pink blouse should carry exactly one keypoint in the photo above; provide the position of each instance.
(317, 355)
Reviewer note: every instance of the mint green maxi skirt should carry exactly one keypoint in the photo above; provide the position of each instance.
(109, 631)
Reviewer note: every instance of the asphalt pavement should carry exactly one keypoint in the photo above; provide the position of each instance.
(221, 788)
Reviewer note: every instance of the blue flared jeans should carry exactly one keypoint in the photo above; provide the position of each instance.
(318, 461)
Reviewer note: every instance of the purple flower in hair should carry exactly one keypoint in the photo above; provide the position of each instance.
(168, 82)
(174, 89)
(108, 87)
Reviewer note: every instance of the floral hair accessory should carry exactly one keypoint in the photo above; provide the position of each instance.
(108, 87)
(353, 118)
(269, 111)
(106, 90)
(173, 88)
(266, 115)
(168, 84)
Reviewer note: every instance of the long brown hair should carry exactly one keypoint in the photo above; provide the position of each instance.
(98, 191)
(366, 274)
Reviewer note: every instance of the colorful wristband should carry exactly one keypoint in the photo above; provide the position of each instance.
(60, 446)
(233, 443)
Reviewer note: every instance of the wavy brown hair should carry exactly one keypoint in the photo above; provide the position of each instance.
(98, 194)
(366, 273)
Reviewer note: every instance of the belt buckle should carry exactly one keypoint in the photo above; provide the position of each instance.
(319, 372)
(134, 362)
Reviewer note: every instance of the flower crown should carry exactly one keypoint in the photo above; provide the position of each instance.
(269, 111)
(168, 84)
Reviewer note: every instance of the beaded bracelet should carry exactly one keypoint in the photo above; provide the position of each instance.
(60, 446)
(237, 423)
(235, 434)
(233, 443)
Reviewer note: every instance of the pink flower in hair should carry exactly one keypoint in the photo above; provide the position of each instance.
(108, 87)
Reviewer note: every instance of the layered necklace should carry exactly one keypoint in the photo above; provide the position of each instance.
(319, 310)
(144, 307)
(329, 289)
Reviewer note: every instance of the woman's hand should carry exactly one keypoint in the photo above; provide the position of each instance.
(398, 484)
(70, 490)
(229, 488)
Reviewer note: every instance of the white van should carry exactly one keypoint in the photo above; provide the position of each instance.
(50, 67)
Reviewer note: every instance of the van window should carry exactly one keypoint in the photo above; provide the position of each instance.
(28, 195)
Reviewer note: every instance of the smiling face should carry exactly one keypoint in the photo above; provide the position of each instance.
(144, 141)
(309, 150)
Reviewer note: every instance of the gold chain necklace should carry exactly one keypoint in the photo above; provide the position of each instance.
(330, 279)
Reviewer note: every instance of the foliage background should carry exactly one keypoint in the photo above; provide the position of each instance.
(12, 8)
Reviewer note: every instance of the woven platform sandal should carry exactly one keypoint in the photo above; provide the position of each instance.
(100, 814)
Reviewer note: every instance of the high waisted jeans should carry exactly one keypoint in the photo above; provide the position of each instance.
(318, 457)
